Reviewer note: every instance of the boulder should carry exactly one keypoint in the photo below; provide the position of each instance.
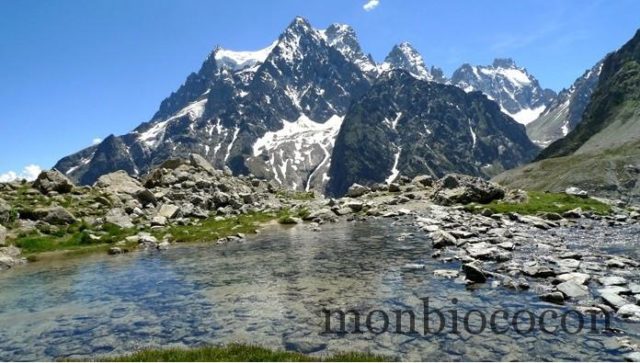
(168, 211)
(613, 299)
(199, 162)
(474, 272)
(577, 277)
(53, 181)
(576, 192)
(58, 216)
(441, 239)
(3, 235)
(630, 311)
(464, 189)
(357, 190)
(573, 214)
(118, 217)
(423, 180)
(119, 182)
(394, 187)
(6, 213)
(571, 289)
(612, 280)
(159, 221)
(555, 297)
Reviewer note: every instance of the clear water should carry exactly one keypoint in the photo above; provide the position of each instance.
(268, 290)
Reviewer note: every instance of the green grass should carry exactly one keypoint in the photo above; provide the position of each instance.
(236, 353)
(540, 202)
(73, 237)
(211, 229)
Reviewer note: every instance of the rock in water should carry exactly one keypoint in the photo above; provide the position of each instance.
(53, 181)
(474, 273)
(553, 297)
(464, 189)
(571, 289)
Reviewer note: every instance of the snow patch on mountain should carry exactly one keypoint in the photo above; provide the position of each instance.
(154, 135)
(526, 115)
(237, 60)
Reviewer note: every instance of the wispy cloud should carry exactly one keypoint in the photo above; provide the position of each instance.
(29, 172)
(96, 141)
(371, 4)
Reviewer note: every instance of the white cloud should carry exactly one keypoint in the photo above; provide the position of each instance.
(96, 141)
(371, 4)
(30, 172)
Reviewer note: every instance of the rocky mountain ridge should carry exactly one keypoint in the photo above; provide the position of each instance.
(275, 113)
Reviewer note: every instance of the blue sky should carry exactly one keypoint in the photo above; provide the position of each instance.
(74, 71)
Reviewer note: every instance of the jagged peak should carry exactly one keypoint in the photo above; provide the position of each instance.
(299, 25)
(405, 56)
(504, 63)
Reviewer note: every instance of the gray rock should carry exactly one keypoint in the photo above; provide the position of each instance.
(615, 263)
(355, 205)
(115, 250)
(630, 311)
(612, 280)
(53, 181)
(423, 180)
(571, 289)
(632, 357)
(577, 277)
(357, 190)
(394, 187)
(3, 236)
(58, 216)
(464, 189)
(118, 217)
(448, 274)
(6, 212)
(168, 211)
(577, 192)
(555, 297)
(474, 272)
(441, 239)
(573, 214)
(119, 182)
(159, 221)
(613, 299)
(200, 162)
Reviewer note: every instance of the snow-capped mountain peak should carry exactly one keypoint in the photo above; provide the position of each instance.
(237, 60)
(405, 56)
(343, 38)
(516, 91)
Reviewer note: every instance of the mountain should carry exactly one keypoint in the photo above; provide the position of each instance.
(565, 112)
(405, 125)
(602, 154)
(272, 112)
(277, 112)
(404, 56)
(516, 91)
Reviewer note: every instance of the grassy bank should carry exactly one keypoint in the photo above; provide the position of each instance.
(236, 353)
(79, 239)
(541, 202)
